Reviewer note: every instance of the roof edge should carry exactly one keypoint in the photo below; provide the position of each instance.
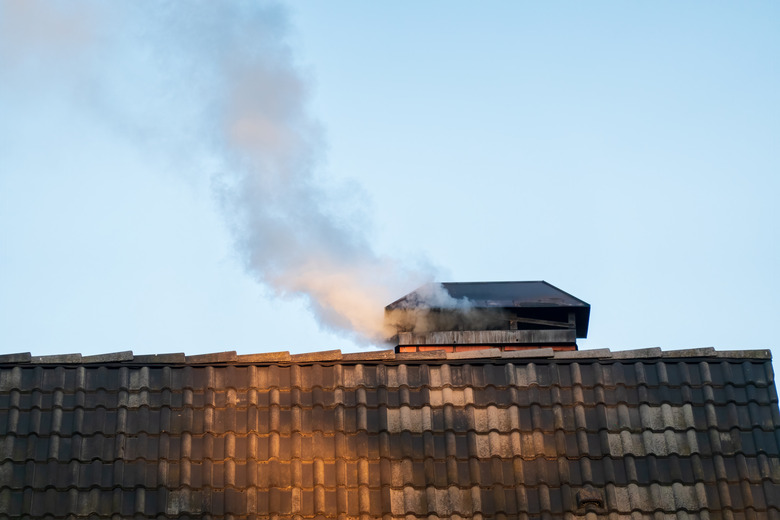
(377, 356)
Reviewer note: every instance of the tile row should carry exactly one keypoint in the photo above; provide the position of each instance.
(277, 419)
(178, 358)
(308, 377)
(373, 397)
(704, 514)
(417, 446)
(641, 471)
(373, 502)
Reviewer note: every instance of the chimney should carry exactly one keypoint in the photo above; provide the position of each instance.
(478, 315)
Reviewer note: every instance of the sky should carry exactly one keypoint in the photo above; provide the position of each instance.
(199, 177)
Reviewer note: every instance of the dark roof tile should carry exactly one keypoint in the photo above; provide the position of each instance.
(421, 356)
(325, 355)
(588, 354)
(637, 354)
(744, 354)
(267, 357)
(693, 352)
(21, 357)
(218, 357)
(151, 359)
(476, 354)
(529, 353)
(57, 359)
(115, 357)
(376, 355)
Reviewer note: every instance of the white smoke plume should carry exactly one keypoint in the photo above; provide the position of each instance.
(222, 94)
(432, 308)
(433, 295)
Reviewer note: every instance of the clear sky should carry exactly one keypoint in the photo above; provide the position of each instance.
(199, 176)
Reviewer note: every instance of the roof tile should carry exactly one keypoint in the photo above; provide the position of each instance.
(584, 354)
(325, 355)
(637, 354)
(744, 354)
(114, 357)
(530, 353)
(693, 352)
(57, 359)
(375, 355)
(421, 356)
(20, 357)
(475, 354)
(148, 359)
(218, 357)
(267, 357)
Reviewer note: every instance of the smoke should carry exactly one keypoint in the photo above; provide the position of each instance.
(37, 30)
(423, 319)
(214, 88)
(432, 295)
(432, 308)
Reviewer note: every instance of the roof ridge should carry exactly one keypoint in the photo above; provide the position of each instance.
(232, 357)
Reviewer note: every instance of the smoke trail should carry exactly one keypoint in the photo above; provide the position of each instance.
(34, 29)
(208, 83)
(420, 311)
(277, 208)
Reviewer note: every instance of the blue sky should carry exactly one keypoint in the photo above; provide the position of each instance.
(203, 177)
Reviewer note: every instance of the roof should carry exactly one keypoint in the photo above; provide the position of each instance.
(538, 295)
(488, 434)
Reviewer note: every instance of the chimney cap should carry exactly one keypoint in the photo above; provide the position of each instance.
(529, 295)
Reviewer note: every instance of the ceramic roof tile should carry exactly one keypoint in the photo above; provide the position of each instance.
(57, 359)
(637, 354)
(265, 357)
(369, 355)
(476, 354)
(324, 355)
(20, 357)
(126, 355)
(421, 356)
(160, 358)
(217, 357)
(529, 353)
